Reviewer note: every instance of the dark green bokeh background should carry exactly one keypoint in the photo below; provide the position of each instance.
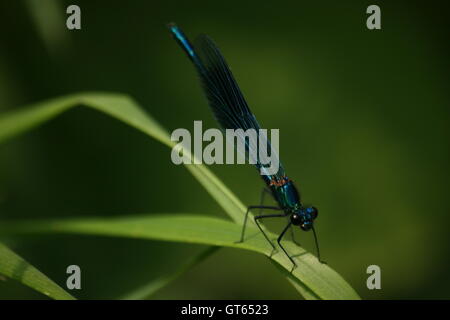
(363, 118)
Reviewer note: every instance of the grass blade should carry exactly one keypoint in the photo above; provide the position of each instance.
(125, 109)
(128, 111)
(315, 280)
(155, 285)
(14, 267)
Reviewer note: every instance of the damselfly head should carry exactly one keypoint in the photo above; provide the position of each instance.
(304, 217)
(313, 212)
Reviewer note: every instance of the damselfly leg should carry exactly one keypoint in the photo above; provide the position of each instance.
(294, 265)
(260, 207)
(246, 216)
(317, 246)
(261, 229)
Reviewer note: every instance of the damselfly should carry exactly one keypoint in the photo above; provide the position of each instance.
(232, 112)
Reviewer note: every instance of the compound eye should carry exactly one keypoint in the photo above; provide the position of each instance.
(296, 220)
(306, 226)
(315, 212)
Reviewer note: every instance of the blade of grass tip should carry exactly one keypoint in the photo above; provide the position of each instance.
(314, 278)
(14, 267)
(148, 290)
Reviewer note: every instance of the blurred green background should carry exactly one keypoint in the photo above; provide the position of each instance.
(363, 118)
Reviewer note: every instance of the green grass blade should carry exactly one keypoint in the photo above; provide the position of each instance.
(125, 109)
(14, 267)
(128, 111)
(315, 280)
(155, 285)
